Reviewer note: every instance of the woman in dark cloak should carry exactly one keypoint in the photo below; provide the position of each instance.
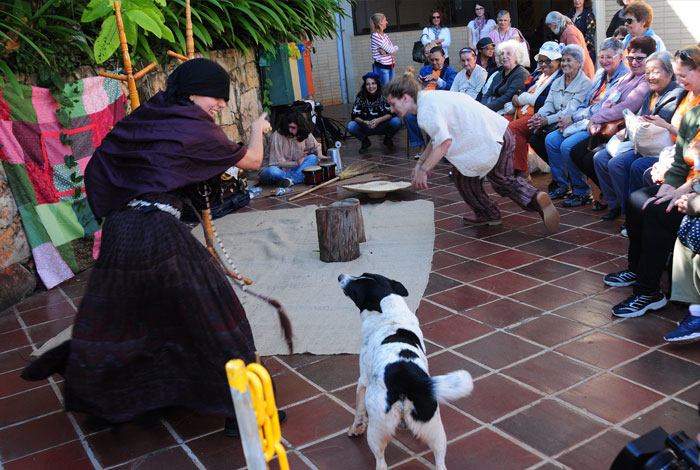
(159, 319)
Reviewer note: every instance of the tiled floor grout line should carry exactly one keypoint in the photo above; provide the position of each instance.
(181, 443)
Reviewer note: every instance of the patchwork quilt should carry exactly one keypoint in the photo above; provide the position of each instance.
(44, 163)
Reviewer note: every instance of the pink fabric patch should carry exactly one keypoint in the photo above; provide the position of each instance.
(96, 245)
(94, 95)
(50, 266)
(82, 164)
(11, 150)
(4, 108)
(52, 148)
(44, 105)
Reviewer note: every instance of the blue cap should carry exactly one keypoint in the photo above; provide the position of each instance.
(370, 75)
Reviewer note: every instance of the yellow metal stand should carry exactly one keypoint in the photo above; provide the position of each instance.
(256, 413)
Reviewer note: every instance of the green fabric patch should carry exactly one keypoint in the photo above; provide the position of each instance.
(22, 188)
(21, 106)
(33, 227)
(111, 87)
(61, 222)
(85, 216)
(66, 252)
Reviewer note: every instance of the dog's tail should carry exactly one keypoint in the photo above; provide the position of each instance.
(452, 386)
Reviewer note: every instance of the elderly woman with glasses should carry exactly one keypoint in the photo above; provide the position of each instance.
(525, 104)
(564, 29)
(509, 78)
(638, 19)
(659, 105)
(470, 80)
(437, 33)
(629, 94)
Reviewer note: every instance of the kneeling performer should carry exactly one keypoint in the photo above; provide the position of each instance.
(478, 144)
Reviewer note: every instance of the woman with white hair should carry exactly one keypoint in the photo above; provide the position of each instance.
(509, 78)
(566, 94)
(567, 33)
(572, 128)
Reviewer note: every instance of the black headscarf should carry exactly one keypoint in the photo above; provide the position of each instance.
(166, 144)
(201, 77)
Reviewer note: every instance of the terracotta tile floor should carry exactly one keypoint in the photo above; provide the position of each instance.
(559, 382)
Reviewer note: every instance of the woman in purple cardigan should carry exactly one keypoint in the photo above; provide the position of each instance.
(629, 94)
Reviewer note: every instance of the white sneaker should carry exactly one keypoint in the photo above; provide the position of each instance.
(417, 156)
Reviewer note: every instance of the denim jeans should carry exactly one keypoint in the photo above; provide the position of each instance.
(563, 169)
(415, 135)
(639, 171)
(385, 75)
(273, 174)
(387, 128)
(613, 176)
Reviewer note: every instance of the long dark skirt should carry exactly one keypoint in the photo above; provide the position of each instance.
(157, 324)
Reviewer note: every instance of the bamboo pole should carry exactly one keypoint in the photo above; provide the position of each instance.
(130, 78)
(189, 37)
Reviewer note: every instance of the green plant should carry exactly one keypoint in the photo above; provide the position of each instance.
(40, 37)
(140, 18)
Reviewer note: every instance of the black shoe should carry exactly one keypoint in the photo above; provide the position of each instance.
(637, 305)
(558, 193)
(285, 183)
(389, 142)
(620, 279)
(599, 206)
(365, 145)
(613, 214)
(575, 200)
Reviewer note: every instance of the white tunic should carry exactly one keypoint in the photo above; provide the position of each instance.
(475, 130)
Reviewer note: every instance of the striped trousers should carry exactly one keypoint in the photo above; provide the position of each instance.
(502, 179)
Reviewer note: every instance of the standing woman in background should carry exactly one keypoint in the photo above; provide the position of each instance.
(437, 34)
(480, 26)
(564, 29)
(617, 20)
(382, 49)
(584, 19)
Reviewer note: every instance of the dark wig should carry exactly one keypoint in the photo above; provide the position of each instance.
(302, 122)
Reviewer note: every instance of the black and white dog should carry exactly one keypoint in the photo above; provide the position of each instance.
(394, 387)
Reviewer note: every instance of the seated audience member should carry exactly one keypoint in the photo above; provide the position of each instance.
(509, 78)
(638, 18)
(629, 94)
(292, 148)
(686, 269)
(572, 128)
(426, 52)
(564, 29)
(487, 55)
(505, 32)
(566, 94)
(684, 67)
(435, 76)
(471, 79)
(661, 102)
(530, 100)
(620, 33)
(653, 219)
(371, 114)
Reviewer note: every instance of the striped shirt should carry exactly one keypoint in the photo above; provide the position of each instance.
(381, 40)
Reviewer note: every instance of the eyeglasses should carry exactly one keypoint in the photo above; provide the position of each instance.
(638, 59)
(630, 20)
(478, 8)
(684, 56)
(544, 62)
(436, 17)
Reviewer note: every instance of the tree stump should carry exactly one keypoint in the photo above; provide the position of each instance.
(340, 228)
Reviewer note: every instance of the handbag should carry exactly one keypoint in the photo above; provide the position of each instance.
(689, 233)
(615, 146)
(418, 55)
(611, 128)
(648, 139)
(578, 126)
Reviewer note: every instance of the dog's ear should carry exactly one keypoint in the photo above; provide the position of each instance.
(399, 288)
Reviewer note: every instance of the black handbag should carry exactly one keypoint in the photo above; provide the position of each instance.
(418, 55)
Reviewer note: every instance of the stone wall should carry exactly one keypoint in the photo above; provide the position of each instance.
(243, 108)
